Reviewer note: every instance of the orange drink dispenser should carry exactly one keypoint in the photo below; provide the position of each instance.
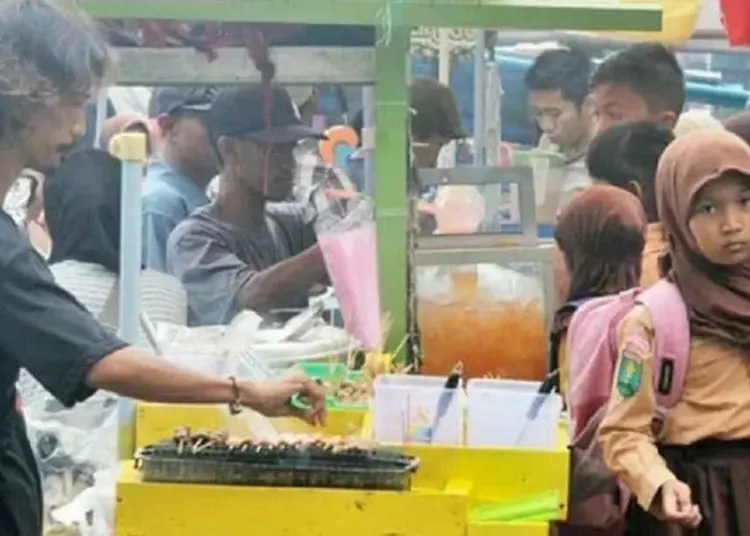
(483, 299)
(489, 317)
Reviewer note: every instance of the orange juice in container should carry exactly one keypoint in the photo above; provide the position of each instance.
(464, 281)
(463, 318)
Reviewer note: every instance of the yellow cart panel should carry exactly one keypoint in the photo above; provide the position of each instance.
(494, 475)
(536, 528)
(148, 509)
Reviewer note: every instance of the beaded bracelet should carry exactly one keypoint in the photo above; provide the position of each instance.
(235, 406)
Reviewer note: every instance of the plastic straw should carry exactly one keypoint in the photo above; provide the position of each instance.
(542, 506)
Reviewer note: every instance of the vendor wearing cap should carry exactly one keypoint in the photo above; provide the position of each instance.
(177, 179)
(249, 249)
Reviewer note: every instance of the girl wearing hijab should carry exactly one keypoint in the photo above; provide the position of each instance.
(82, 208)
(695, 477)
(601, 234)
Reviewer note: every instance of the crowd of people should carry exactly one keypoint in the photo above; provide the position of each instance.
(650, 195)
(52, 60)
(663, 207)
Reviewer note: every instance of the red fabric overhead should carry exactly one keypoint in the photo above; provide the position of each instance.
(736, 18)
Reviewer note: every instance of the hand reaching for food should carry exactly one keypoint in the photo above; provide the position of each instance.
(272, 398)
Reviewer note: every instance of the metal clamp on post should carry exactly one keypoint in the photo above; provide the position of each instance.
(130, 148)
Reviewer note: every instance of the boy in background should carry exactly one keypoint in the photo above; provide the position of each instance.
(643, 82)
(558, 84)
(627, 156)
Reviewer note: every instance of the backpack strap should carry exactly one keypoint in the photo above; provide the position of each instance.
(672, 343)
(554, 338)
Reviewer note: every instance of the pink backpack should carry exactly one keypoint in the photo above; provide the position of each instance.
(597, 498)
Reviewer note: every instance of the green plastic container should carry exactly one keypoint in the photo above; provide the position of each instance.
(330, 372)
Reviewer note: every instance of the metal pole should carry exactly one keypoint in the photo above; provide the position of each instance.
(444, 56)
(130, 148)
(480, 81)
(368, 137)
(101, 115)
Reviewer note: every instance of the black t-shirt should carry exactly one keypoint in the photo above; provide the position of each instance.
(46, 331)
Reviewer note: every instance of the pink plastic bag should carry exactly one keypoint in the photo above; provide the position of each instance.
(351, 260)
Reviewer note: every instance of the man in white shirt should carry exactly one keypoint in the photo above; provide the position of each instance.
(558, 84)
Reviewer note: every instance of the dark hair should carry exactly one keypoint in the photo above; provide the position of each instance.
(436, 110)
(630, 153)
(45, 52)
(567, 70)
(650, 70)
(82, 209)
(739, 124)
(601, 235)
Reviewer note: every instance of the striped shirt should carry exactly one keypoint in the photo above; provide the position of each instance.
(162, 297)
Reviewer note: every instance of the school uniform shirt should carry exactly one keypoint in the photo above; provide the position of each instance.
(655, 246)
(214, 259)
(574, 177)
(168, 198)
(715, 403)
(47, 332)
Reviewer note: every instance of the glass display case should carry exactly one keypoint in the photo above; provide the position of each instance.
(485, 298)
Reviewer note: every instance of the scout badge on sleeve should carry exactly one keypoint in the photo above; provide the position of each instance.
(629, 374)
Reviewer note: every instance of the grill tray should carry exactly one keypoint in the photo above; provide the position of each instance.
(305, 467)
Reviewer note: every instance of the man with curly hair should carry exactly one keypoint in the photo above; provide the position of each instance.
(51, 62)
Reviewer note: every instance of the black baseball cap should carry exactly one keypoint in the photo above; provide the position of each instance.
(176, 100)
(264, 114)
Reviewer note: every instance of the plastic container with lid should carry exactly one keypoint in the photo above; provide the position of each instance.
(405, 407)
(499, 415)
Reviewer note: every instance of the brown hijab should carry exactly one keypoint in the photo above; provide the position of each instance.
(717, 297)
(601, 233)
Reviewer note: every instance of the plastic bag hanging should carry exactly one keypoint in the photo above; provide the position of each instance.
(349, 247)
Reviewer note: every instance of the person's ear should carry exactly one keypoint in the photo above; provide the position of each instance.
(166, 124)
(587, 107)
(226, 149)
(668, 118)
(636, 189)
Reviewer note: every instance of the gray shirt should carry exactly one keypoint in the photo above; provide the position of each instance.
(214, 259)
